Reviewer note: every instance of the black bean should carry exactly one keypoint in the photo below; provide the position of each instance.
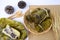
(13, 35)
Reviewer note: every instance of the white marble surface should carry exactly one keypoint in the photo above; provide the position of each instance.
(4, 3)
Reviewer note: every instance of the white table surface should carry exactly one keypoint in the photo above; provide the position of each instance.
(4, 3)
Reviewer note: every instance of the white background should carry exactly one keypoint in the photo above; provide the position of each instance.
(4, 3)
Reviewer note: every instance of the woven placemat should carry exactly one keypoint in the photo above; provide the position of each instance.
(50, 34)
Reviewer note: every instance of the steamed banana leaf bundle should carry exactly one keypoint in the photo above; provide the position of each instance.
(11, 30)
